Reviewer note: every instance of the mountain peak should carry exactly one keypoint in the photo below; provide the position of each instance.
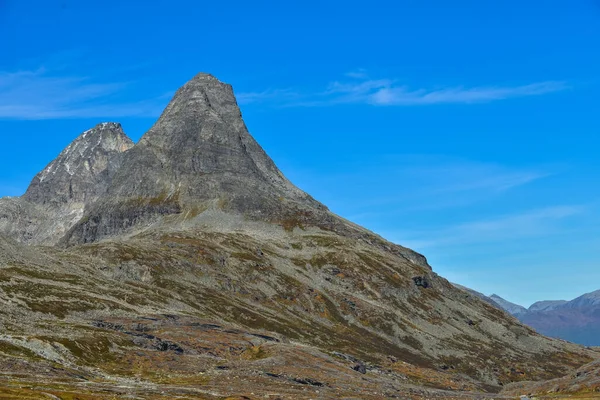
(204, 76)
(81, 167)
(202, 101)
(201, 142)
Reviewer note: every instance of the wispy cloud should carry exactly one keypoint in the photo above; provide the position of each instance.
(403, 96)
(40, 94)
(454, 176)
(360, 89)
(267, 95)
(533, 223)
(427, 182)
(360, 73)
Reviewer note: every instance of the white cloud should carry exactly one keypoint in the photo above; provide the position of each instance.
(430, 182)
(402, 96)
(355, 92)
(266, 95)
(39, 94)
(387, 92)
(360, 73)
(444, 176)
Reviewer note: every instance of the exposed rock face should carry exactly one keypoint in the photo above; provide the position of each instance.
(21, 220)
(190, 251)
(203, 144)
(82, 171)
(201, 150)
(58, 195)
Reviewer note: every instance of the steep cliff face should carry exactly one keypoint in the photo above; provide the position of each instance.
(203, 144)
(21, 220)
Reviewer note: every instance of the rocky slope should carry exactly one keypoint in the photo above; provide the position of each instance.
(583, 383)
(188, 265)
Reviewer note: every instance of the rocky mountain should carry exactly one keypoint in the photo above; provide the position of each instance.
(198, 154)
(577, 320)
(188, 266)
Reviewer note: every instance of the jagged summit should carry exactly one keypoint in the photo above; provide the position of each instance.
(81, 171)
(201, 95)
(201, 134)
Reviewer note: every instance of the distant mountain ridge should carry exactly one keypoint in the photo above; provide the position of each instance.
(577, 320)
(546, 305)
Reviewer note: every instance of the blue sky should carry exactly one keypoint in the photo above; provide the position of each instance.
(467, 130)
